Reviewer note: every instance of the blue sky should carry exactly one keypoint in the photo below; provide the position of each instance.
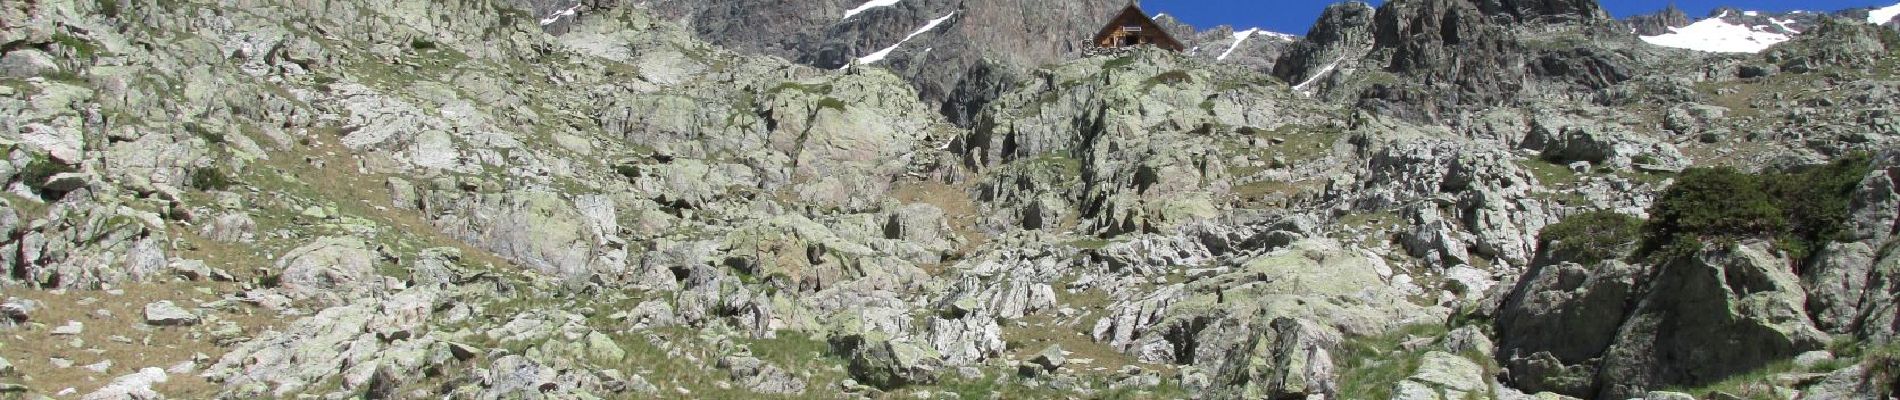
(1295, 16)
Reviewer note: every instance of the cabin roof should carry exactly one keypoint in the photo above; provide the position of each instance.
(1132, 15)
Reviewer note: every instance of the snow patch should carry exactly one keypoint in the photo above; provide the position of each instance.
(1716, 35)
(867, 6)
(1316, 76)
(886, 52)
(1242, 36)
(557, 15)
(1880, 16)
(1239, 37)
(1784, 24)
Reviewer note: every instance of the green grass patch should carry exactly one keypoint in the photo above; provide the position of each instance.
(801, 87)
(831, 103)
(1549, 173)
(1175, 77)
(1371, 366)
(1294, 144)
(27, 209)
(1091, 243)
(1760, 384)
(1061, 164)
(85, 49)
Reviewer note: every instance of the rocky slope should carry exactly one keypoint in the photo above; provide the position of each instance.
(548, 199)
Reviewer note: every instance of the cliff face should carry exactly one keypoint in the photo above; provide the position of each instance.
(1658, 23)
(1442, 55)
(982, 49)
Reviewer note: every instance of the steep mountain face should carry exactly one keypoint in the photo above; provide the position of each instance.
(1659, 22)
(1441, 55)
(979, 51)
(1543, 10)
(501, 199)
(1253, 48)
(1342, 34)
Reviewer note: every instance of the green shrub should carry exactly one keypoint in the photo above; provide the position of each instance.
(1800, 208)
(210, 179)
(1712, 204)
(40, 168)
(628, 170)
(1592, 237)
(1816, 200)
(109, 8)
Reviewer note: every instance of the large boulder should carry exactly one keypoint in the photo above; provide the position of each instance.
(759, 376)
(885, 363)
(1291, 359)
(24, 63)
(966, 339)
(1723, 311)
(1563, 139)
(521, 377)
(1125, 145)
(135, 386)
(1560, 319)
(1443, 376)
(82, 244)
(1601, 332)
(536, 229)
(1850, 280)
(331, 270)
(1493, 216)
(1261, 328)
(164, 313)
(350, 342)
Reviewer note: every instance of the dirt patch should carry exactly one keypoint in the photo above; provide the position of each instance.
(115, 331)
(959, 210)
